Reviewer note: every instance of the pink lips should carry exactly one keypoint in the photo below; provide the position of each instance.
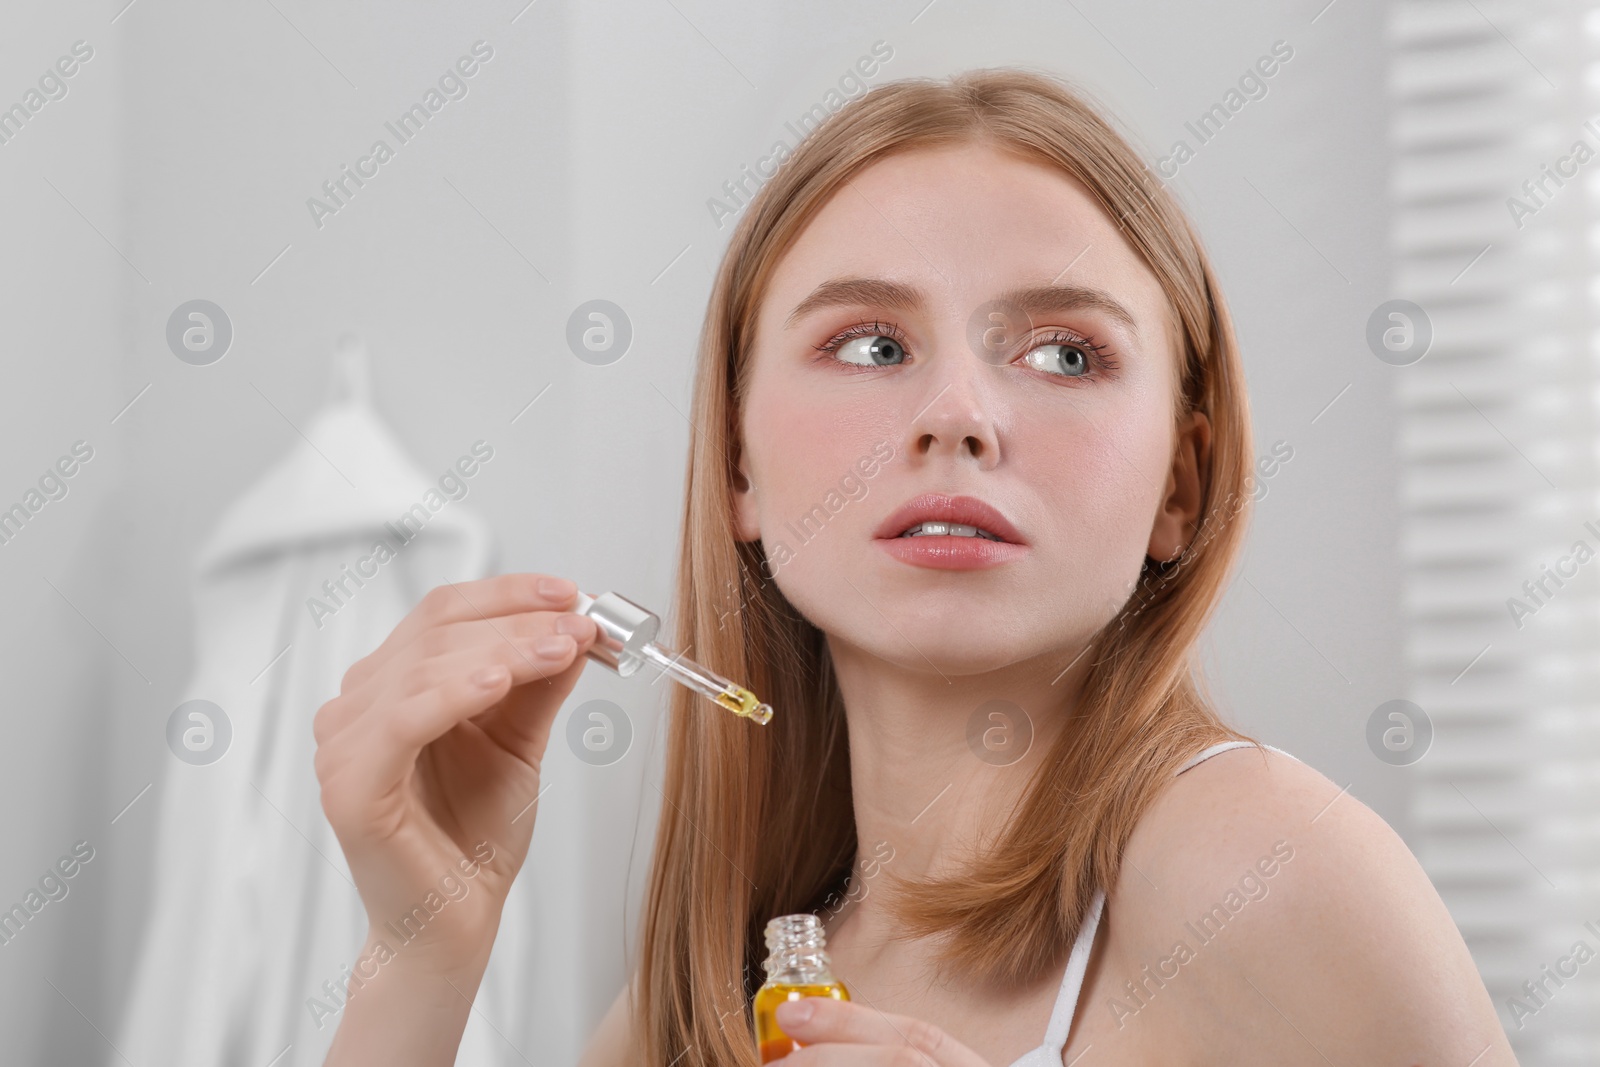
(949, 552)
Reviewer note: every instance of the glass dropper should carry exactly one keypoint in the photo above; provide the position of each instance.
(626, 642)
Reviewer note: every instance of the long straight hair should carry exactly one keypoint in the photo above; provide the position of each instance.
(758, 821)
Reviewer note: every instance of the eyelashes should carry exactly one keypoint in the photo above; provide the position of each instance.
(1102, 363)
(864, 329)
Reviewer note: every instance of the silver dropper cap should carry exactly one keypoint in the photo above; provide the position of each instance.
(626, 642)
(625, 628)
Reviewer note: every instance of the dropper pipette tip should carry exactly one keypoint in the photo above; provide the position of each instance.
(626, 632)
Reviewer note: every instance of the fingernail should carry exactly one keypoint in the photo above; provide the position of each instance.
(553, 645)
(489, 677)
(795, 1011)
(557, 587)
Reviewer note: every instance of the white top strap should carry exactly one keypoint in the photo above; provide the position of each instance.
(1055, 1035)
(1223, 746)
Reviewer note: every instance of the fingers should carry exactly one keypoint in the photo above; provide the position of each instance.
(515, 630)
(423, 701)
(487, 598)
(834, 1024)
(521, 722)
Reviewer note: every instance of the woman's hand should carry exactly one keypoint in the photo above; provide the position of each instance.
(842, 1033)
(429, 759)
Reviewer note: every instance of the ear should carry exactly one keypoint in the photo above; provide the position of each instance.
(746, 526)
(1179, 515)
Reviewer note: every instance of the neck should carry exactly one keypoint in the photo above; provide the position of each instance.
(937, 764)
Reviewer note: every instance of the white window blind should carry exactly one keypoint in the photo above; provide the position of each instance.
(1500, 437)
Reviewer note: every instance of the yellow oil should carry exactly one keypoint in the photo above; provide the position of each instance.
(772, 1042)
(743, 702)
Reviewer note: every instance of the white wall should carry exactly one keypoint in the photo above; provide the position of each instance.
(589, 144)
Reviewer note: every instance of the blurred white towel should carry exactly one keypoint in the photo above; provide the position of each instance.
(252, 907)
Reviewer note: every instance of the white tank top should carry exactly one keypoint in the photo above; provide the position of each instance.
(1055, 1035)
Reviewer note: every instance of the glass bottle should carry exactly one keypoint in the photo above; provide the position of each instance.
(796, 967)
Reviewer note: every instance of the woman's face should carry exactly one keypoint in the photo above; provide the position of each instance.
(1055, 411)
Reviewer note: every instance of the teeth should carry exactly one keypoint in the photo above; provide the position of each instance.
(951, 529)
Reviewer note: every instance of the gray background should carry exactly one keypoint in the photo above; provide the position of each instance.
(578, 167)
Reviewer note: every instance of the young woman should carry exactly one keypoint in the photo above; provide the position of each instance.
(958, 302)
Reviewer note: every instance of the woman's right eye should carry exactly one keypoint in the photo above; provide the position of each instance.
(871, 350)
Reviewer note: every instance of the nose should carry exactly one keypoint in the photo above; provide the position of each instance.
(954, 413)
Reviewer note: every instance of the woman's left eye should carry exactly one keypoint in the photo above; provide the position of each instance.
(1068, 359)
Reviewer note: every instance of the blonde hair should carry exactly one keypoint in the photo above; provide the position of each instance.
(758, 822)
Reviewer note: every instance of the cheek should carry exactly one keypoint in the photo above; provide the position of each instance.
(1099, 484)
(815, 505)
(804, 455)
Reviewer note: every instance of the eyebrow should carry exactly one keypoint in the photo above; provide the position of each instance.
(1030, 300)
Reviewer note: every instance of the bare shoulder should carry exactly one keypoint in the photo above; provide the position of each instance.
(1268, 915)
(612, 1044)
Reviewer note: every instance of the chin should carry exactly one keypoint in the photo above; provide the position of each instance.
(938, 658)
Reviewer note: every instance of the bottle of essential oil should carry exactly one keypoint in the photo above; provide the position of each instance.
(796, 967)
